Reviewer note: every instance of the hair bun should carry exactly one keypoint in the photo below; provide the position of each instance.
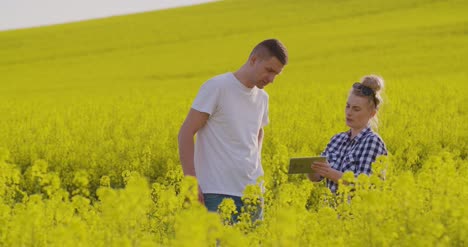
(374, 82)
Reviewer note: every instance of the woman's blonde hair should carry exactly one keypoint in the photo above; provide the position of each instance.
(371, 87)
(373, 82)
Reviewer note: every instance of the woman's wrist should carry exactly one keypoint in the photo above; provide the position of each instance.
(336, 175)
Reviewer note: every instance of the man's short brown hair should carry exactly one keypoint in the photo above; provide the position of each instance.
(269, 48)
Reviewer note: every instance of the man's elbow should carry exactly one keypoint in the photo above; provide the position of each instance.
(184, 133)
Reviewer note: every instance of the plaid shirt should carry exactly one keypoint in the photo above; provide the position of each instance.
(356, 155)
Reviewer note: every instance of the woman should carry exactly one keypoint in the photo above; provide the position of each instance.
(354, 150)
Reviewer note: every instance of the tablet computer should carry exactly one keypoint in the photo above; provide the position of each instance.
(303, 164)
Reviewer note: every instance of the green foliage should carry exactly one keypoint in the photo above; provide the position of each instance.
(90, 113)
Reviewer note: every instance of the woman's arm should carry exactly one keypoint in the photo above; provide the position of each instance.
(325, 170)
(314, 177)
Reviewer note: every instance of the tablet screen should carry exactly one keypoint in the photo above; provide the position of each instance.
(303, 164)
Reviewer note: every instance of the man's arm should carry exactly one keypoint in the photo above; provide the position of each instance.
(195, 120)
(260, 139)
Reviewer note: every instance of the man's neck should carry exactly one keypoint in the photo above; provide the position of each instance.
(241, 75)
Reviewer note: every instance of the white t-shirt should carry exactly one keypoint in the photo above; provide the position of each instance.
(227, 155)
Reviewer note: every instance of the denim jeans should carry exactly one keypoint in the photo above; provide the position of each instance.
(212, 202)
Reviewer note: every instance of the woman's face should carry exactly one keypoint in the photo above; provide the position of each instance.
(358, 111)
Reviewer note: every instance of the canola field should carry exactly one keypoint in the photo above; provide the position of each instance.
(90, 111)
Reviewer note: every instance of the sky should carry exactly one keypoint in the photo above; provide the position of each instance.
(16, 14)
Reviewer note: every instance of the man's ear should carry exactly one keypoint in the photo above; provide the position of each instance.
(253, 59)
(374, 111)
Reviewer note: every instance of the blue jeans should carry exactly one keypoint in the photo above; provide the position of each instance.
(212, 202)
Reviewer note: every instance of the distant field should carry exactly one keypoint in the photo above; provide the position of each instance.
(88, 105)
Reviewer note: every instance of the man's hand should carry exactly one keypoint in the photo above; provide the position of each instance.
(200, 196)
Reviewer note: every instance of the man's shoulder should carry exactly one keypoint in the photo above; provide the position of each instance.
(263, 94)
(216, 83)
(220, 79)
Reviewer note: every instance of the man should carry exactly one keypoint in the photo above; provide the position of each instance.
(228, 116)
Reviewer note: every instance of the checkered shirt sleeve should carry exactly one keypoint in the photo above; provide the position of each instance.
(367, 152)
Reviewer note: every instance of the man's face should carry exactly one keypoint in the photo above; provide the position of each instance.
(265, 70)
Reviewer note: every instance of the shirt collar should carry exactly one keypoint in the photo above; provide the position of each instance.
(361, 134)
